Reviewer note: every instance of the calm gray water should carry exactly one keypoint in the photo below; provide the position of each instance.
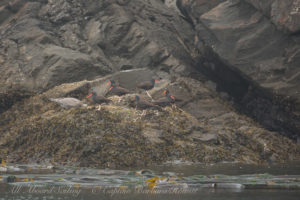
(194, 183)
(292, 168)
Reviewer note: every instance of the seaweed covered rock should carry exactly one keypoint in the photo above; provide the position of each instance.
(39, 130)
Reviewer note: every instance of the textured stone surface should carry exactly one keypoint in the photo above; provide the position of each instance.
(257, 45)
(284, 14)
(46, 43)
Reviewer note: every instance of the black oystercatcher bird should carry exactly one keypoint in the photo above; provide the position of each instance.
(167, 94)
(143, 104)
(167, 100)
(147, 85)
(68, 102)
(117, 90)
(98, 99)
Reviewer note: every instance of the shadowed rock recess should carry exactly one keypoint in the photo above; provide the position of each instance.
(234, 64)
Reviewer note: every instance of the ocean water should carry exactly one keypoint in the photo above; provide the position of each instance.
(179, 181)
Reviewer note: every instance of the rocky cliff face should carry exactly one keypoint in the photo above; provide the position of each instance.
(46, 43)
(228, 60)
(258, 40)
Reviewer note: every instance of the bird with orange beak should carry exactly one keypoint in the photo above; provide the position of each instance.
(167, 100)
(116, 90)
(98, 99)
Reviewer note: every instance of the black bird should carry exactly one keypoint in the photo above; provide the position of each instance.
(117, 90)
(167, 93)
(167, 100)
(98, 99)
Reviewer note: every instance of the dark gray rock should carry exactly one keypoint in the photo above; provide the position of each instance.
(47, 43)
(256, 50)
(284, 14)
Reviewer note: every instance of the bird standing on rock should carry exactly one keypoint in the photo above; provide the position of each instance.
(143, 104)
(117, 90)
(98, 99)
(167, 100)
(147, 85)
(68, 102)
